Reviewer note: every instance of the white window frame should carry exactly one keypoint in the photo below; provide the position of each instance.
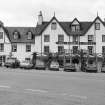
(29, 35)
(53, 26)
(46, 38)
(28, 47)
(90, 38)
(1, 47)
(14, 47)
(15, 35)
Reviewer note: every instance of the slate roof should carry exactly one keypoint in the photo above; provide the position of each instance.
(85, 25)
(22, 32)
(66, 26)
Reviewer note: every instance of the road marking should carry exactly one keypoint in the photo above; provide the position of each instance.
(3, 86)
(77, 96)
(36, 90)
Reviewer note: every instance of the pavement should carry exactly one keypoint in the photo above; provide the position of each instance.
(39, 87)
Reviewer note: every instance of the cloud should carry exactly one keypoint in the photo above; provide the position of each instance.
(24, 12)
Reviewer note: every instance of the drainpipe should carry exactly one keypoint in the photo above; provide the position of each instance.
(41, 44)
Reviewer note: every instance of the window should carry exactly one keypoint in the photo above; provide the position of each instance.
(1, 35)
(75, 28)
(27, 59)
(60, 49)
(14, 47)
(75, 49)
(60, 38)
(29, 35)
(46, 49)
(28, 47)
(103, 38)
(90, 38)
(90, 50)
(1, 47)
(103, 50)
(97, 26)
(46, 38)
(53, 25)
(75, 38)
(16, 35)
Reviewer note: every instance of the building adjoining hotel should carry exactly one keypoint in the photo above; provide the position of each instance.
(52, 36)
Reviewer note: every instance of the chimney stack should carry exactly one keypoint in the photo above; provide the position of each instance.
(40, 18)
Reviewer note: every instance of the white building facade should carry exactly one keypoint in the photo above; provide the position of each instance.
(52, 37)
(55, 36)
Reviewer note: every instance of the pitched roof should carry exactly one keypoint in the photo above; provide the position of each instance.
(22, 32)
(94, 22)
(66, 27)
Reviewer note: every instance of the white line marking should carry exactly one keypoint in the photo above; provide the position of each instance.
(77, 96)
(36, 90)
(3, 86)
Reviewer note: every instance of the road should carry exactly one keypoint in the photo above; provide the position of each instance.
(33, 87)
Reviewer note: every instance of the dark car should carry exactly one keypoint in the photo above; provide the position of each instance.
(91, 65)
(40, 64)
(12, 62)
(69, 65)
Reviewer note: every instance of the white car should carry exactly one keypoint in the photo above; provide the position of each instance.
(26, 65)
(54, 65)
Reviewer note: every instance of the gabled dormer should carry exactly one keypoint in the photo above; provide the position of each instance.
(16, 35)
(29, 35)
(75, 25)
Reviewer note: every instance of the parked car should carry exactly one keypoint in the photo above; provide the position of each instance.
(12, 62)
(103, 68)
(54, 65)
(40, 64)
(69, 65)
(91, 65)
(26, 65)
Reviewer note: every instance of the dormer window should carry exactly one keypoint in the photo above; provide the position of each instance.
(75, 28)
(29, 35)
(53, 25)
(16, 35)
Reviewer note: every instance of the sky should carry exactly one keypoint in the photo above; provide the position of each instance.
(25, 12)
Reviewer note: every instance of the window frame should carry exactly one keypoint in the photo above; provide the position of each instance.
(76, 38)
(75, 51)
(1, 35)
(75, 28)
(46, 38)
(90, 39)
(28, 47)
(16, 35)
(60, 49)
(90, 48)
(14, 47)
(29, 35)
(60, 38)
(103, 50)
(53, 26)
(48, 49)
(1, 47)
(103, 38)
(97, 27)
